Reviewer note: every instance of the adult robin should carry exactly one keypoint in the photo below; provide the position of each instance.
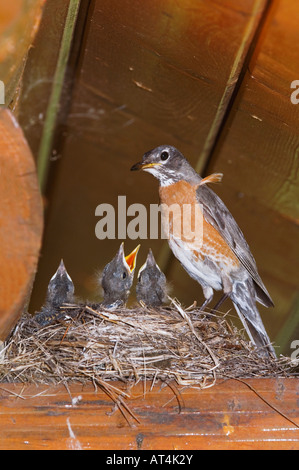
(60, 290)
(151, 287)
(117, 278)
(217, 256)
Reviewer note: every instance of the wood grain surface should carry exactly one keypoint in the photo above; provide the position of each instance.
(226, 416)
(21, 222)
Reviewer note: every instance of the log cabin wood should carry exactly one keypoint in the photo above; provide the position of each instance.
(21, 221)
(227, 416)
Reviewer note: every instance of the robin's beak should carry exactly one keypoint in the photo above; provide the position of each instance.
(144, 165)
(131, 258)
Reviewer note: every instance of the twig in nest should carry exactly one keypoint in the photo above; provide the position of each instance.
(118, 400)
(177, 394)
(187, 318)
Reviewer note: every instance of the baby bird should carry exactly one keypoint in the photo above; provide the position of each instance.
(117, 278)
(151, 286)
(60, 290)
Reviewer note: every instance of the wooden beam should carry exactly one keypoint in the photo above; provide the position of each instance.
(21, 222)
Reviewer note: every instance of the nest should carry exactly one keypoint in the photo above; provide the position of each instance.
(93, 344)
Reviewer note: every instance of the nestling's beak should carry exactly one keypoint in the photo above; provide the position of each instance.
(61, 269)
(150, 260)
(144, 165)
(61, 272)
(131, 258)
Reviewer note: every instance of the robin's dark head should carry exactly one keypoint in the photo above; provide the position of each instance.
(61, 288)
(151, 283)
(117, 277)
(168, 165)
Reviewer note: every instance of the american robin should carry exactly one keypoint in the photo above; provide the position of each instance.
(60, 290)
(117, 278)
(151, 287)
(218, 257)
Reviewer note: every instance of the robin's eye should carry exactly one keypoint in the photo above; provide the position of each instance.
(124, 275)
(164, 155)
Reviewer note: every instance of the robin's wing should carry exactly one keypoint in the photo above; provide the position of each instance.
(217, 214)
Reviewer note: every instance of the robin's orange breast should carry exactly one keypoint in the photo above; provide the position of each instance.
(210, 243)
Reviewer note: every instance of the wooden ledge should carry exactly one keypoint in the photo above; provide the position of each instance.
(227, 416)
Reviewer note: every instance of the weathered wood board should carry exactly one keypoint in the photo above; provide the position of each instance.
(226, 416)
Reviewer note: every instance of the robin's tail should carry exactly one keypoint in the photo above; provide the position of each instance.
(243, 297)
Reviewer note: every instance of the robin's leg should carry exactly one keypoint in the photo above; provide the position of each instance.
(227, 289)
(220, 302)
(209, 294)
(206, 302)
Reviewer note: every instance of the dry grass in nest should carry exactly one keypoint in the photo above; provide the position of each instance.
(93, 344)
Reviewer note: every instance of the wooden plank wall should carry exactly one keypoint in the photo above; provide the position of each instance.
(212, 78)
